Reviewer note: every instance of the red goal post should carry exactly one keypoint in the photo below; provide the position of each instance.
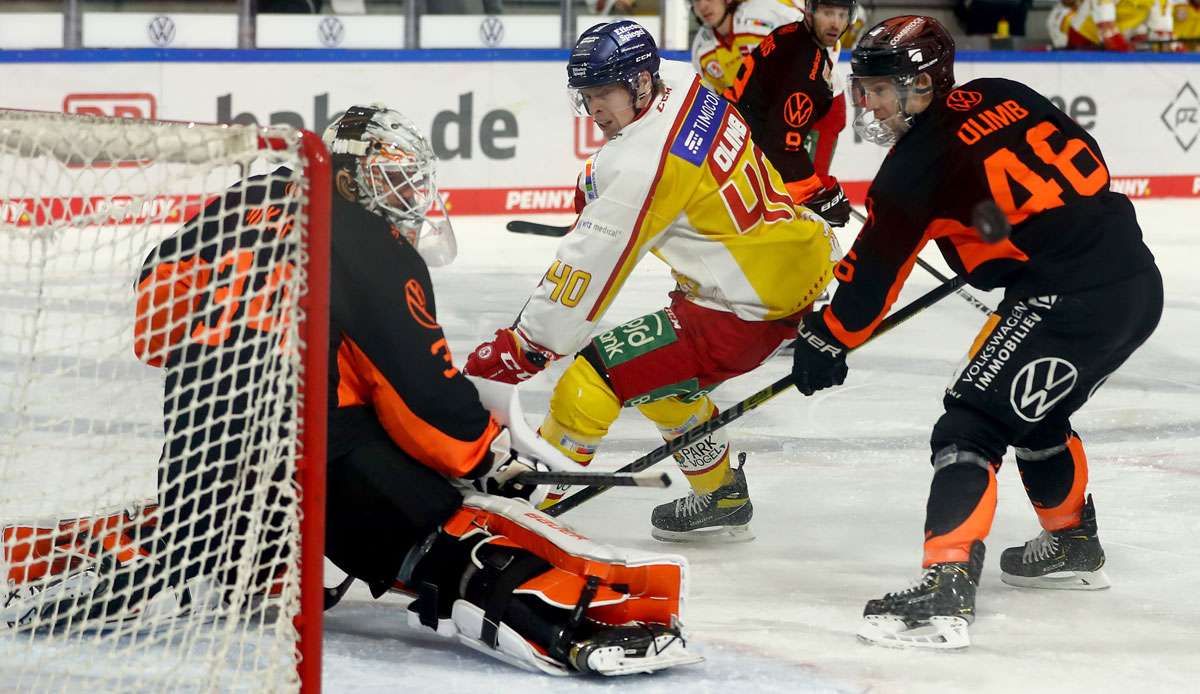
(83, 200)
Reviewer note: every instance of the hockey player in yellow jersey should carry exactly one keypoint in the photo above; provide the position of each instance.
(730, 30)
(1110, 24)
(681, 179)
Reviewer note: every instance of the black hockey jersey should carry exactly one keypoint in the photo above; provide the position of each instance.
(199, 291)
(781, 90)
(389, 360)
(988, 139)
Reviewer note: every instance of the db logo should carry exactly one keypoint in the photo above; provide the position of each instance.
(797, 109)
(962, 100)
(130, 105)
(588, 137)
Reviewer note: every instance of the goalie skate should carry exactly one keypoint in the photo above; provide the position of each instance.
(632, 649)
(934, 613)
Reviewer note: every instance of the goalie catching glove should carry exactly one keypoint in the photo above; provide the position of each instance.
(819, 361)
(509, 357)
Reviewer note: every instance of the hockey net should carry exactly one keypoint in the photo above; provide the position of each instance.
(96, 592)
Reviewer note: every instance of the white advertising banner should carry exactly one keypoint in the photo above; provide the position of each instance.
(31, 30)
(329, 31)
(508, 140)
(490, 31)
(149, 30)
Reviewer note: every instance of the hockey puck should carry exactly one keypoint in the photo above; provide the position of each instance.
(990, 221)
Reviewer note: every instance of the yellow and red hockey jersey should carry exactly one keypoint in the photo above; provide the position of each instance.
(717, 58)
(685, 182)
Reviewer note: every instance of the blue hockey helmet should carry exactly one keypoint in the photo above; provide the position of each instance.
(613, 52)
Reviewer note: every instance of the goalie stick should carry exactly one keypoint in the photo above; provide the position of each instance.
(658, 480)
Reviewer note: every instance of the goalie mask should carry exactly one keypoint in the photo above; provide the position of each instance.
(394, 172)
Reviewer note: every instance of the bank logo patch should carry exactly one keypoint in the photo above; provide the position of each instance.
(1182, 116)
(700, 126)
(1040, 385)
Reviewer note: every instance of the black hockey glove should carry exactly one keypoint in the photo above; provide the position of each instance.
(819, 361)
(832, 204)
(499, 477)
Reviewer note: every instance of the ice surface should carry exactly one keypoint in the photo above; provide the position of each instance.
(839, 483)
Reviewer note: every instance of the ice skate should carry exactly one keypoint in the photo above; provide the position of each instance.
(1069, 559)
(630, 649)
(933, 613)
(719, 516)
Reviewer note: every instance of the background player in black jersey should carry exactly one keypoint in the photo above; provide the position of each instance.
(787, 92)
(1082, 293)
(408, 438)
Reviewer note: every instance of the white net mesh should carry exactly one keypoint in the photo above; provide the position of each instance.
(149, 501)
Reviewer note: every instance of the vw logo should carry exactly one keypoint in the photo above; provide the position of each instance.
(161, 31)
(797, 109)
(331, 31)
(491, 31)
(1040, 385)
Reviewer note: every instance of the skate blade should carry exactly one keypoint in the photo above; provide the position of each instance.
(939, 633)
(668, 651)
(716, 534)
(1060, 580)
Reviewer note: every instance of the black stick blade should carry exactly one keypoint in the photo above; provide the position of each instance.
(518, 226)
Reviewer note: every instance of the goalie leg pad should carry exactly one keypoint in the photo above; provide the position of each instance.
(514, 583)
(654, 582)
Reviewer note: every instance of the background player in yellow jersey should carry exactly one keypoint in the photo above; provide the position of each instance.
(1111, 24)
(679, 178)
(730, 30)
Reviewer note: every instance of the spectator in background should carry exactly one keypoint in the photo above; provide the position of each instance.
(984, 16)
(289, 6)
(620, 7)
(1116, 25)
(1187, 24)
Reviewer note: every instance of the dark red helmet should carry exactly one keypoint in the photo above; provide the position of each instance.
(904, 47)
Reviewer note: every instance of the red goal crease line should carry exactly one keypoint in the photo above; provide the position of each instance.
(176, 209)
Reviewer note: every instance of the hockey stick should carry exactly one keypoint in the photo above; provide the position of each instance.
(967, 296)
(518, 226)
(987, 218)
(725, 417)
(659, 480)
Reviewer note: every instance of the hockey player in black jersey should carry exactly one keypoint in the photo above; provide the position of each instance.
(1082, 293)
(792, 101)
(420, 490)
